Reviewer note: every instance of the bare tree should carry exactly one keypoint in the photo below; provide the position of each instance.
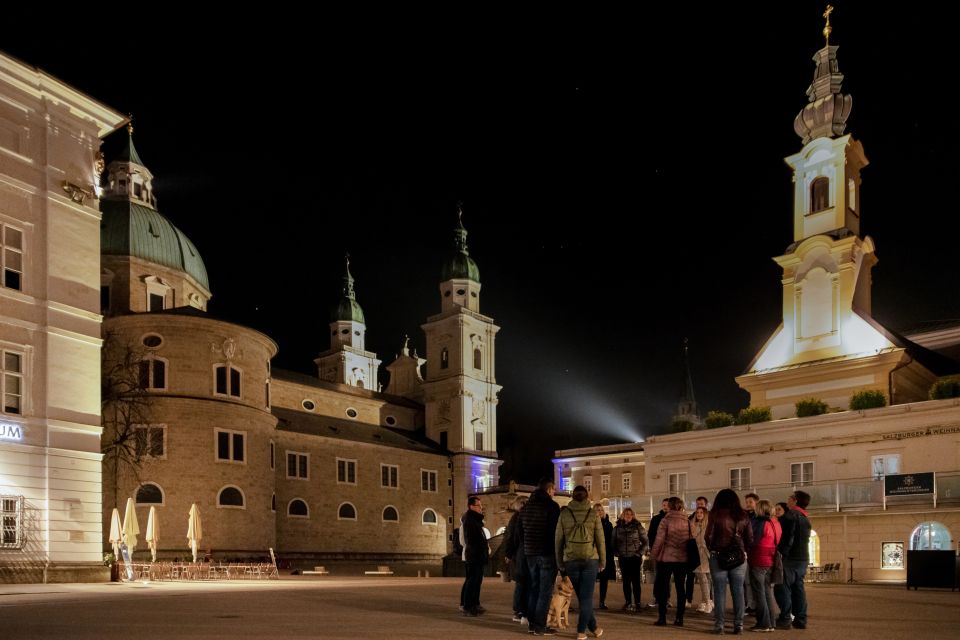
(125, 407)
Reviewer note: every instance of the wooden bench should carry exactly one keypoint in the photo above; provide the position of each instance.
(382, 570)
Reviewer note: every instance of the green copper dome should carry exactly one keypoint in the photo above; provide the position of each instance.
(459, 265)
(347, 309)
(131, 229)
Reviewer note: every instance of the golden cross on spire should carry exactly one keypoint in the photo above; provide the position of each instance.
(827, 30)
(130, 124)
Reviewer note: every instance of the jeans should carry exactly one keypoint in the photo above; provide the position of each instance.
(583, 575)
(661, 588)
(734, 577)
(521, 588)
(471, 586)
(760, 586)
(630, 570)
(543, 574)
(791, 597)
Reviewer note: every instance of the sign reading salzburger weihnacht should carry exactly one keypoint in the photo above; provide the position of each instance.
(908, 484)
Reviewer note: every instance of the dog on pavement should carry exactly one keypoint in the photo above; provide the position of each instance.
(559, 615)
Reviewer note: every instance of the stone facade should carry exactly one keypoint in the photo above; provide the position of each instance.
(49, 327)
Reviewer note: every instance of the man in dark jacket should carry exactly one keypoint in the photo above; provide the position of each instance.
(652, 535)
(476, 553)
(539, 520)
(794, 541)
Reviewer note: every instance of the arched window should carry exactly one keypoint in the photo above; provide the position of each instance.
(477, 359)
(347, 512)
(429, 517)
(444, 358)
(231, 497)
(931, 536)
(298, 509)
(150, 493)
(819, 194)
(390, 514)
(273, 502)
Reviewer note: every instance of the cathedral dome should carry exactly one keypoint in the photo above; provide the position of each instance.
(132, 229)
(459, 265)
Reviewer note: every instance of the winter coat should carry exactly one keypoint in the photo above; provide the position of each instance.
(475, 546)
(723, 532)
(609, 568)
(513, 541)
(700, 533)
(794, 545)
(576, 512)
(761, 553)
(630, 540)
(672, 535)
(655, 526)
(539, 518)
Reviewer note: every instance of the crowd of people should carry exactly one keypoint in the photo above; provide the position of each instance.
(757, 550)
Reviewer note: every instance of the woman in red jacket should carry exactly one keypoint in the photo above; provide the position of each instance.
(670, 552)
(761, 564)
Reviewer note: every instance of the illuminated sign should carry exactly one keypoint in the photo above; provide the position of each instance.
(917, 433)
(11, 431)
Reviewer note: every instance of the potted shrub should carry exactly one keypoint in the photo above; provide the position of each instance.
(811, 407)
(717, 419)
(868, 399)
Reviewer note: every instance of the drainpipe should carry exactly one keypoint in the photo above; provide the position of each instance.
(892, 371)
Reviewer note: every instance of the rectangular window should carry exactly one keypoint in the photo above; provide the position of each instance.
(227, 380)
(149, 441)
(153, 374)
(11, 257)
(156, 302)
(346, 471)
(428, 481)
(604, 483)
(11, 522)
(230, 445)
(389, 476)
(566, 484)
(885, 465)
(678, 484)
(443, 440)
(801, 473)
(588, 483)
(478, 440)
(11, 381)
(104, 299)
(625, 481)
(273, 455)
(740, 478)
(298, 465)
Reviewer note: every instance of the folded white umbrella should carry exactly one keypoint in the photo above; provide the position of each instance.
(194, 529)
(130, 527)
(153, 532)
(115, 534)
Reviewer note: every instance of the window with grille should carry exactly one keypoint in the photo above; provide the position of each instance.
(298, 465)
(11, 522)
(346, 471)
(11, 257)
(428, 481)
(604, 483)
(227, 380)
(389, 476)
(230, 445)
(11, 381)
(740, 478)
(625, 481)
(148, 442)
(801, 473)
(678, 484)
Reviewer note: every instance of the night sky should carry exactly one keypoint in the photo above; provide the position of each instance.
(622, 177)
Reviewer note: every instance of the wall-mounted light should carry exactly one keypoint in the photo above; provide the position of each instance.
(655, 476)
(77, 193)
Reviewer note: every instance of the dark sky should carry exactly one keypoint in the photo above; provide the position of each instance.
(622, 177)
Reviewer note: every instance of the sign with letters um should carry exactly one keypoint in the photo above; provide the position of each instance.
(908, 484)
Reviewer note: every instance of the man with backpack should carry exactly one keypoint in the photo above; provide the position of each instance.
(581, 552)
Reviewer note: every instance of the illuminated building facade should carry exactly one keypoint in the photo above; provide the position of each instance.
(50, 470)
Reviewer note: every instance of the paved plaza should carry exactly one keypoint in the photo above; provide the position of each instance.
(302, 607)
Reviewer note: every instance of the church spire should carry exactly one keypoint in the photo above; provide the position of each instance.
(347, 309)
(686, 412)
(828, 109)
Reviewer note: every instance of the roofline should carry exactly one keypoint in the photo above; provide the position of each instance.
(583, 452)
(40, 84)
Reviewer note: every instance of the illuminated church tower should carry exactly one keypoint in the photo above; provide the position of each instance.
(828, 346)
(460, 390)
(347, 361)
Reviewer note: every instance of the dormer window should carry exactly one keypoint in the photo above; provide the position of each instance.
(820, 195)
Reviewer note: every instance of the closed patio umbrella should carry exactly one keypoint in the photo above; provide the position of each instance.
(194, 529)
(115, 534)
(153, 532)
(130, 527)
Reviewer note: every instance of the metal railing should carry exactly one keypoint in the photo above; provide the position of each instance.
(855, 494)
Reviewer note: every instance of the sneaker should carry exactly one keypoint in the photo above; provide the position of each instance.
(652, 605)
(517, 617)
(461, 607)
(799, 625)
(597, 632)
(602, 606)
(783, 624)
(524, 620)
(481, 609)
(546, 631)
(702, 607)
(581, 636)
(738, 631)
(629, 608)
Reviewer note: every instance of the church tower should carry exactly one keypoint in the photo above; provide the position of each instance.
(460, 390)
(686, 416)
(828, 346)
(346, 361)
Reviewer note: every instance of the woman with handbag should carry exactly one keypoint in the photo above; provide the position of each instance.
(728, 537)
(670, 552)
(762, 565)
(702, 571)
